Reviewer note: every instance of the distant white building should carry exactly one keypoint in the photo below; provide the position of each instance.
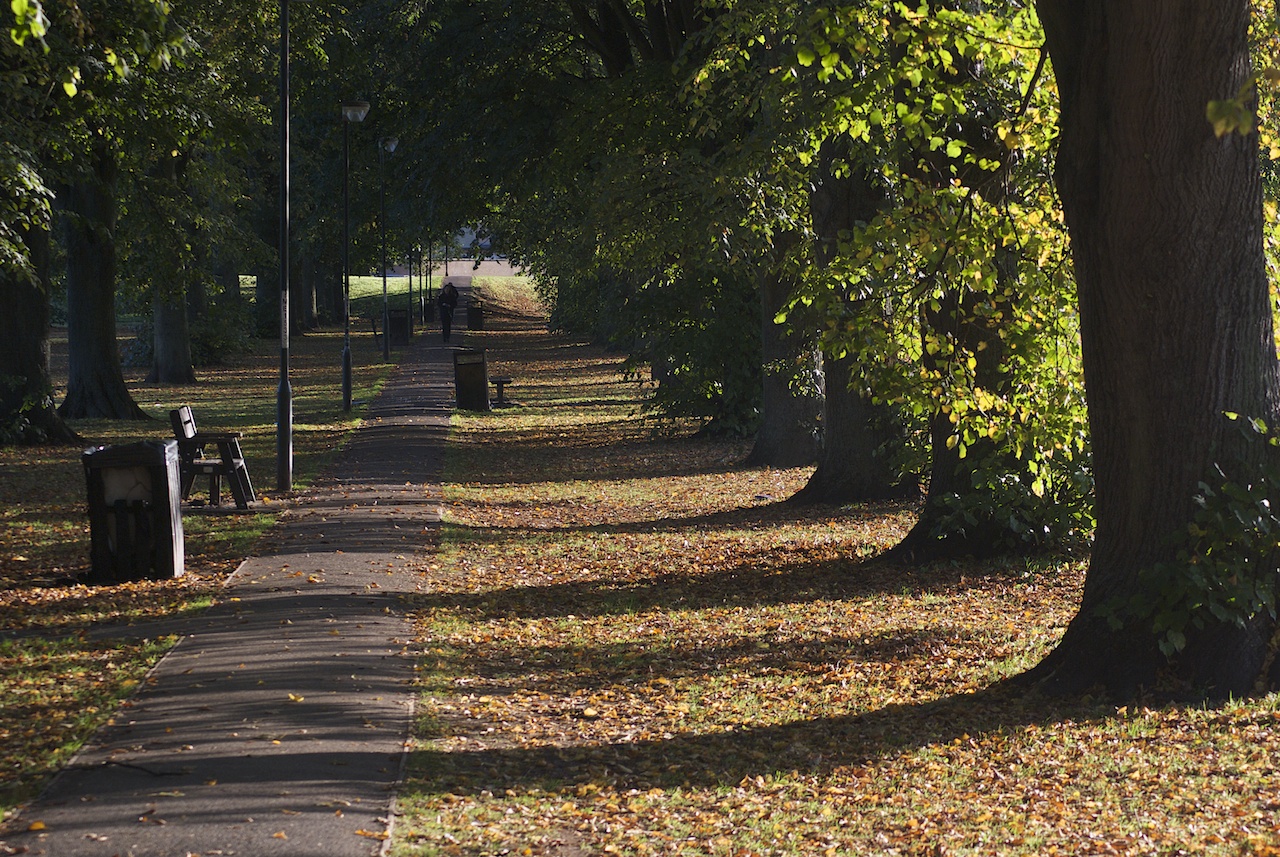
(467, 241)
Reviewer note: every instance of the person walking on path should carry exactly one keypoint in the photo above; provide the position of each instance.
(448, 303)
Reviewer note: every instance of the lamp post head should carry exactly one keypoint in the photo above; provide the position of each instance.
(354, 111)
(390, 143)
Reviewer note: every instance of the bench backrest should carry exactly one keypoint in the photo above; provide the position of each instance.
(184, 422)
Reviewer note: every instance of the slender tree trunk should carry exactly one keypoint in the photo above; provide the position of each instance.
(27, 412)
(303, 303)
(951, 476)
(1175, 322)
(788, 416)
(228, 279)
(95, 386)
(266, 292)
(172, 342)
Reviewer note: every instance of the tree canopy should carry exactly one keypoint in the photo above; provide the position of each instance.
(921, 212)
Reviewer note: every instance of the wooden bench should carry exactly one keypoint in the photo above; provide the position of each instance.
(195, 458)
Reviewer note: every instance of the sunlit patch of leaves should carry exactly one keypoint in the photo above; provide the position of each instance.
(631, 645)
(55, 694)
(55, 686)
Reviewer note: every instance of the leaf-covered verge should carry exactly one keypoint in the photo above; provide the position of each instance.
(631, 646)
(59, 674)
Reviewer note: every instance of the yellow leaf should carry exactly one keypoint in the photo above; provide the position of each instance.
(279, 834)
(36, 825)
(372, 835)
(293, 697)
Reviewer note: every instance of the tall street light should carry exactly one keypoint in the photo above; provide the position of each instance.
(388, 145)
(430, 305)
(284, 393)
(352, 111)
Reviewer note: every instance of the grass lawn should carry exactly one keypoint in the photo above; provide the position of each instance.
(632, 645)
(57, 684)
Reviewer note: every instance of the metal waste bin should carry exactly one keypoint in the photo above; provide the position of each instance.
(135, 518)
(471, 379)
(398, 326)
(475, 315)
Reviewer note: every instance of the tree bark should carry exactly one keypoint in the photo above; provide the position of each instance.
(932, 538)
(787, 416)
(858, 436)
(1176, 329)
(171, 362)
(27, 412)
(266, 293)
(95, 386)
(303, 297)
(855, 464)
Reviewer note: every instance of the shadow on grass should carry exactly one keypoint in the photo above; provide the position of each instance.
(757, 581)
(814, 747)
(595, 453)
(577, 671)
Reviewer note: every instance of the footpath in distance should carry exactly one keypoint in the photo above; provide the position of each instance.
(278, 725)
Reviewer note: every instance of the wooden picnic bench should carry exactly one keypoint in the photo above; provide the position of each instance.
(196, 457)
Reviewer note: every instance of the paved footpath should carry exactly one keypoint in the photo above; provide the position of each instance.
(278, 724)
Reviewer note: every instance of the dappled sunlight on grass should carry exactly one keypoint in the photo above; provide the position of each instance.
(633, 645)
(49, 669)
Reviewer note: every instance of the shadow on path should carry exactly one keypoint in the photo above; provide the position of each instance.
(277, 725)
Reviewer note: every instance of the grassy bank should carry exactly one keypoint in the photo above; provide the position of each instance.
(58, 682)
(632, 645)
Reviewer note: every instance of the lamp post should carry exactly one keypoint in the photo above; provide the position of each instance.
(284, 393)
(388, 145)
(430, 305)
(352, 111)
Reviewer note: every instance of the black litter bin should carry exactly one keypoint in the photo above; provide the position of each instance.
(471, 379)
(135, 520)
(398, 324)
(475, 315)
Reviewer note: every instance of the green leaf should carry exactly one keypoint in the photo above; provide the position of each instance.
(1231, 115)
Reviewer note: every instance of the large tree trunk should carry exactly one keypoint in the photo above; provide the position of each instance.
(1166, 230)
(787, 416)
(858, 436)
(856, 462)
(27, 412)
(95, 386)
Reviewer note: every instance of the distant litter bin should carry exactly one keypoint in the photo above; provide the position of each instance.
(135, 517)
(471, 379)
(398, 326)
(475, 315)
